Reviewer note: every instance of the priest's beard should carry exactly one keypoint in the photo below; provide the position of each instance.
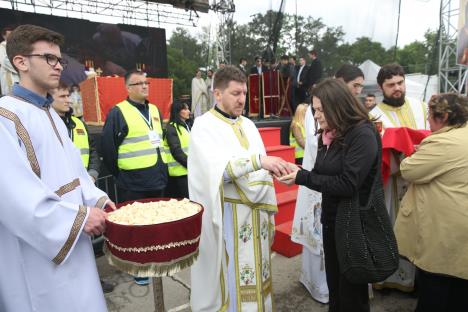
(394, 101)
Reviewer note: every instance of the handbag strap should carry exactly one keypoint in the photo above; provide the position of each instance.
(378, 169)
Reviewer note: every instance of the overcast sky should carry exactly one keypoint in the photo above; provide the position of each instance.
(376, 19)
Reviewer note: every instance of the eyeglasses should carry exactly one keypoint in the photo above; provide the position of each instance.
(51, 59)
(141, 83)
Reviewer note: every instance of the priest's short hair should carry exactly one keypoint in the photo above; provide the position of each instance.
(227, 74)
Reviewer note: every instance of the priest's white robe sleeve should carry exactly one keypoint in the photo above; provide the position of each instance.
(30, 210)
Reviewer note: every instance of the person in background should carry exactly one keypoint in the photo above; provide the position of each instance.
(199, 95)
(8, 74)
(315, 71)
(432, 224)
(397, 110)
(352, 76)
(132, 145)
(346, 159)
(209, 86)
(297, 136)
(176, 144)
(77, 130)
(243, 65)
(300, 84)
(50, 205)
(77, 102)
(79, 134)
(370, 101)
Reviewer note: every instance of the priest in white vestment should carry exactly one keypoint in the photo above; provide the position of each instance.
(49, 202)
(307, 228)
(199, 95)
(226, 175)
(395, 111)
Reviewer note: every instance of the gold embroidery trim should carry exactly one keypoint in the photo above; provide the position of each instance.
(151, 268)
(236, 126)
(24, 137)
(265, 183)
(154, 247)
(53, 124)
(101, 201)
(75, 230)
(68, 187)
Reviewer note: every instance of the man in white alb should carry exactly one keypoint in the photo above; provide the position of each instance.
(50, 206)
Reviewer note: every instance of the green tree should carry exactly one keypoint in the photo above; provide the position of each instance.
(181, 70)
(188, 45)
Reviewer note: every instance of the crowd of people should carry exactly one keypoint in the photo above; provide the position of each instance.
(219, 160)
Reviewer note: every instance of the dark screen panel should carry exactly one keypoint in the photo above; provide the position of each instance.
(115, 48)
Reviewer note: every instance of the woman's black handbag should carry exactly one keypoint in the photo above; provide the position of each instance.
(365, 242)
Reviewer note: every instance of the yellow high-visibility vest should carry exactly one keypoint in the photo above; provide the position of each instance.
(298, 150)
(175, 168)
(136, 150)
(81, 140)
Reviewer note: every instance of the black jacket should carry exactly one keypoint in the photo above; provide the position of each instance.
(315, 73)
(113, 133)
(94, 164)
(174, 144)
(343, 169)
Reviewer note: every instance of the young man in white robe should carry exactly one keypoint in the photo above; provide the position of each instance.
(396, 111)
(226, 175)
(49, 206)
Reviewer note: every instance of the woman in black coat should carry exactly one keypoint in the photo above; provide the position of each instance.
(347, 152)
(177, 128)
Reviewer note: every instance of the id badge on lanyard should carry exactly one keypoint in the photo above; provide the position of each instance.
(154, 138)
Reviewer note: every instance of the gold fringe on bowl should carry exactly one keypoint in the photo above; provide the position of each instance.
(151, 269)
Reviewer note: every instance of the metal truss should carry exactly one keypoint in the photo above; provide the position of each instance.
(131, 12)
(225, 10)
(452, 77)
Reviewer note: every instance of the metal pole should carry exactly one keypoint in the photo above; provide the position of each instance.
(158, 294)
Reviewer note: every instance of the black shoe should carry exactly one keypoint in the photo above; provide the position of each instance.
(107, 287)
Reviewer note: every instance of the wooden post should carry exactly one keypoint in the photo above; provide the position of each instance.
(158, 294)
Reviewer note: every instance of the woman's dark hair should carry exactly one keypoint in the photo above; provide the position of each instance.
(176, 107)
(349, 72)
(342, 109)
(455, 105)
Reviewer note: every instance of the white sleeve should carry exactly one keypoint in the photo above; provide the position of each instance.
(30, 210)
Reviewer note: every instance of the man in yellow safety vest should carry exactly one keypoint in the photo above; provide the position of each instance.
(77, 130)
(132, 144)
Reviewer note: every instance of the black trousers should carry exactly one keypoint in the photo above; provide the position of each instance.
(441, 293)
(126, 195)
(177, 187)
(344, 296)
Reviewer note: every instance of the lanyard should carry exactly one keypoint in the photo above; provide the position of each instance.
(148, 121)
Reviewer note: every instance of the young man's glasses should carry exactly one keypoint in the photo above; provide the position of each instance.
(141, 83)
(51, 59)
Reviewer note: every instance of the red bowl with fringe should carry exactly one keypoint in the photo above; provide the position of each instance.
(155, 249)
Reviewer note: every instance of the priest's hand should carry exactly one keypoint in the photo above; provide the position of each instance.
(96, 222)
(275, 165)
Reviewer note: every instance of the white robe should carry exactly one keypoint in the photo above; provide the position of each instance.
(199, 97)
(307, 229)
(215, 148)
(413, 114)
(47, 261)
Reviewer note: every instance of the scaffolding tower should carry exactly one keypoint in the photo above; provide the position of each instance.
(225, 11)
(452, 77)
